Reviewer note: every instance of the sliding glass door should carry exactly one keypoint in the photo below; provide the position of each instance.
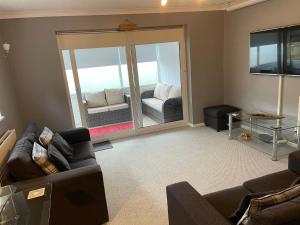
(123, 83)
(158, 69)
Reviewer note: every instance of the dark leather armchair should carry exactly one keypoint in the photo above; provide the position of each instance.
(78, 195)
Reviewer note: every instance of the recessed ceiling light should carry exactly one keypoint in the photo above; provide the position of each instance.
(164, 2)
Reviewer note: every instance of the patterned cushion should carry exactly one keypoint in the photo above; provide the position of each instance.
(259, 204)
(46, 136)
(40, 157)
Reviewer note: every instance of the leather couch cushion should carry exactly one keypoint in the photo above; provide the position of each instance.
(96, 99)
(57, 158)
(82, 151)
(32, 133)
(62, 145)
(82, 163)
(20, 163)
(227, 201)
(271, 182)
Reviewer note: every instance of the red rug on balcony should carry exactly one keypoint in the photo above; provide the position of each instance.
(96, 131)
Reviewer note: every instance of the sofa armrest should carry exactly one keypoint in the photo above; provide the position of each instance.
(75, 193)
(294, 162)
(76, 135)
(147, 94)
(186, 206)
(172, 105)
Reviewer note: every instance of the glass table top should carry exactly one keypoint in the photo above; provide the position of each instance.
(287, 122)
(27, 207)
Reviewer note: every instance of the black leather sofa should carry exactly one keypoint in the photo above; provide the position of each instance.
(187, 207)
(78, 195)
(171, 109)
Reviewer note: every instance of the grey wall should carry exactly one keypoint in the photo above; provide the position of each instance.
(35, 64)
(8, 103)
(250, 91)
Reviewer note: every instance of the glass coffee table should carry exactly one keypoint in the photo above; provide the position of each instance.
(276, 137)
(27, 207)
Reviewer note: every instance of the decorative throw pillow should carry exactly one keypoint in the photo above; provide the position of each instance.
(257, 205)
(40, 157)
(157, 91)
(20, 165)
(114, 96)
(164, 92)
(161, 91)
(63, 146)
(57, 158)
(96, 99)
(175, 92)
(244, 204)
(46, 136)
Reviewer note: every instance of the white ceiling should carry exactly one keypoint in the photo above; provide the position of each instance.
(41, 8)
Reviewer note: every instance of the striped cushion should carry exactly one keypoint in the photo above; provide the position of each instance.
(259, 204)
(40, 157)
(46, 136)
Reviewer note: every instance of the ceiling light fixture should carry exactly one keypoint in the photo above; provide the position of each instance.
(164, 2)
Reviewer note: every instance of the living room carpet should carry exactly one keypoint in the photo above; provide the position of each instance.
(137, 172)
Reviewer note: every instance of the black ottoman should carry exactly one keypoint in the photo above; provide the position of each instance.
(216, 116)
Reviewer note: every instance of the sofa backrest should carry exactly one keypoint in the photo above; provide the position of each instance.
(166, 91)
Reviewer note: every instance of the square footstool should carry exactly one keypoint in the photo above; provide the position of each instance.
(216, 116)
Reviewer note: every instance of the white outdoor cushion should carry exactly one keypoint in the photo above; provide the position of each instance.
(154, 103)
(175, 92)
(157, 90)
(117, 106)
(98, 110)
(96, 99)
(114, 96)
(161, 91)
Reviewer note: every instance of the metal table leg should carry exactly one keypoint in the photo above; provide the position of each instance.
(298, 138)
(275, 145)
(230, 125)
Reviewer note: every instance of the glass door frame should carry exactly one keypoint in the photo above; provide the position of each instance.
(129, 39)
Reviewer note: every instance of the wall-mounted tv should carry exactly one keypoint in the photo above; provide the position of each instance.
(275, 52)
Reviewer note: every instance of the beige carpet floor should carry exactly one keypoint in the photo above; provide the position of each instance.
(137, 170)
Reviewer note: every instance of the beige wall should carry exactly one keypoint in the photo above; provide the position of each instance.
(8, 103)
(35, 65)
(254, 91)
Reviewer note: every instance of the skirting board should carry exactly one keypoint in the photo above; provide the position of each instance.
(196, 125)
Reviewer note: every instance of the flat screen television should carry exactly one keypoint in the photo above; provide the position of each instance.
(275, 52)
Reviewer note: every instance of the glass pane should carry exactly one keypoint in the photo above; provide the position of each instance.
(103, 78)
(72, 88)
(293, 52)
(265, 50)
(159, 82)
